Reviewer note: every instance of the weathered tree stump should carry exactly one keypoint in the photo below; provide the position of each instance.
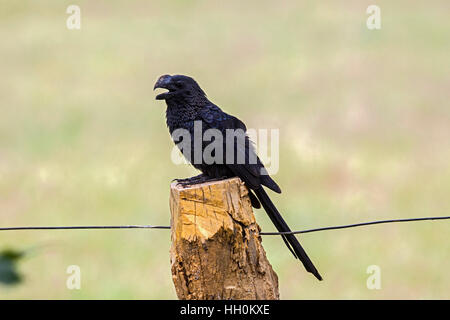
(216, 248)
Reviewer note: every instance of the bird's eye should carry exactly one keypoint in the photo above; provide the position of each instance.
(179, 85)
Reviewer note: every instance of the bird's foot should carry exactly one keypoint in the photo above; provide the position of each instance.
(192, 180)
(196, 180)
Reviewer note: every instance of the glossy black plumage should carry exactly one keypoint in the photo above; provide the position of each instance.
(187, 104)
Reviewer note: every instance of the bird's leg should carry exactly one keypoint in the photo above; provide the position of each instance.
(193, 180)
(198, 179)
(190, 178)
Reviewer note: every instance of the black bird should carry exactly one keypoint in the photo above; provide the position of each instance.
(187, 104)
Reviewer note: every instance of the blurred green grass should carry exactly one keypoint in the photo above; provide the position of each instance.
(364, 131)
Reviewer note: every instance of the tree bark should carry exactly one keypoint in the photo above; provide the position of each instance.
(216, 248)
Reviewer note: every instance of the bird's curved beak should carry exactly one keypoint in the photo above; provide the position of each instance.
(163, 82)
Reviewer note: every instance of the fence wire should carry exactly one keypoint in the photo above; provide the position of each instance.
(261, 233)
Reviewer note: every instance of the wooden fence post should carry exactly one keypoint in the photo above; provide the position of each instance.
(216, 248)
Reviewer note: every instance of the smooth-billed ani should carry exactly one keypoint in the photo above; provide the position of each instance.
(187, 105)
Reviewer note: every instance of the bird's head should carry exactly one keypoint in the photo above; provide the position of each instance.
(178, 86)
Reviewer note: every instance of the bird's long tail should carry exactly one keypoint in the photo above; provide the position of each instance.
(281, 225)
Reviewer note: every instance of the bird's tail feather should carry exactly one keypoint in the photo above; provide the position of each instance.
(281, 225)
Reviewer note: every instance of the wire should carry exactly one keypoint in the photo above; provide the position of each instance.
(261, 233)
(353, 225)
(85, 227)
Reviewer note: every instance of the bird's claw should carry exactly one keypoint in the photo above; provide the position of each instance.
(192, 180)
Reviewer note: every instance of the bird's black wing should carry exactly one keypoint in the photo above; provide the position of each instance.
(251, 170)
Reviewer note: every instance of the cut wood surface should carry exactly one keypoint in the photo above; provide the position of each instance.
(216, 248)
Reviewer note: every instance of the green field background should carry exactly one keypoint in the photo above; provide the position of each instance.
(364, 121)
